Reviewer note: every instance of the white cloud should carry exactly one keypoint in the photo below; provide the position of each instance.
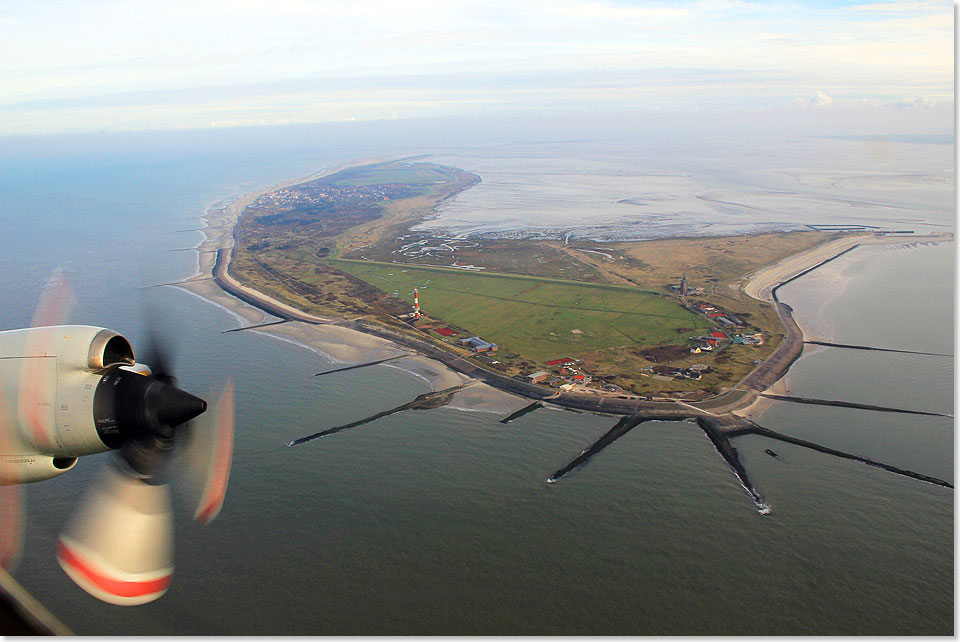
(818, 101)
(923, 102)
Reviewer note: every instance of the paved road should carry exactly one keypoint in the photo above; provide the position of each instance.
(777, 364)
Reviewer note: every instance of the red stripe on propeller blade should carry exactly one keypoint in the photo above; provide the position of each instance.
(120, 588)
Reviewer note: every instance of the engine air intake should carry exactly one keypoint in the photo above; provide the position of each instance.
(109, 348)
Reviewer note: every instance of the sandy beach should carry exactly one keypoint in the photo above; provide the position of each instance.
(760, 284)
(760, 405)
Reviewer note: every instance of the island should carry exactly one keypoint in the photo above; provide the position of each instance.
(656, 319)
(686, 329)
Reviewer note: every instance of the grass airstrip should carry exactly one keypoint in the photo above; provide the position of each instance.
(540, 318)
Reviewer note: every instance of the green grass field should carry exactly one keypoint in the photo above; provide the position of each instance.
(538, 318)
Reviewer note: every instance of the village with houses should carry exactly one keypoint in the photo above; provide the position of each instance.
(318, 195)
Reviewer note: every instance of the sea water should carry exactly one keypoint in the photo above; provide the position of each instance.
(441, 521)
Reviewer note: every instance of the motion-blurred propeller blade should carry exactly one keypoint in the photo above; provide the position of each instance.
(119, 545)
(156, 355)
(39, 376)
(55, 301)
(216, 468)
(157, 348)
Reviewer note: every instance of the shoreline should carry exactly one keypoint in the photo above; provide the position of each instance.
(763, 284)
(760, 284)
(354, 342)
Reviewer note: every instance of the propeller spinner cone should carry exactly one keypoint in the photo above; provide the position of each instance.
(139, 415)
(174, 406)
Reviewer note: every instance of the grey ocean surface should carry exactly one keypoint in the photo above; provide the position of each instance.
(432, 522)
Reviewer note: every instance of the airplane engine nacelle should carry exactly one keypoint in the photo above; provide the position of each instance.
(23, 469)
(49, 378)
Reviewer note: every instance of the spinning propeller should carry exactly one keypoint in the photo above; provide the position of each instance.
(119, 546)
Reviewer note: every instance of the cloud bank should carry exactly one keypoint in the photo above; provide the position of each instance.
(99, 65)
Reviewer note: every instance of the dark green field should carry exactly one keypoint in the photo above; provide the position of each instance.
(539, 318)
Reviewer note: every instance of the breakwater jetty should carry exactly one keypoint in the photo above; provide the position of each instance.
(363, 365)
(850, 404)
(856, 347)
(717, 429)
(426, 401)
(523, 411)
(625, 425)
(754, 429)
(254, 327)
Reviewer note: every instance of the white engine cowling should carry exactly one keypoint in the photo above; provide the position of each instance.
(23, 469)
(48, 381)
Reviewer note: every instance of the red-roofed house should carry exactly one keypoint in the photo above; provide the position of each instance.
(718, 335)
(561, 362)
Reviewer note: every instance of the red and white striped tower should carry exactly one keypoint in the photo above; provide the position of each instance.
(416, 304)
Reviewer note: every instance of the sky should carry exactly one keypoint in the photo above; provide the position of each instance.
(105, 65)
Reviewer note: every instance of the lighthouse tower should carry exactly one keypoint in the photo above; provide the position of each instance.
(416, 305)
